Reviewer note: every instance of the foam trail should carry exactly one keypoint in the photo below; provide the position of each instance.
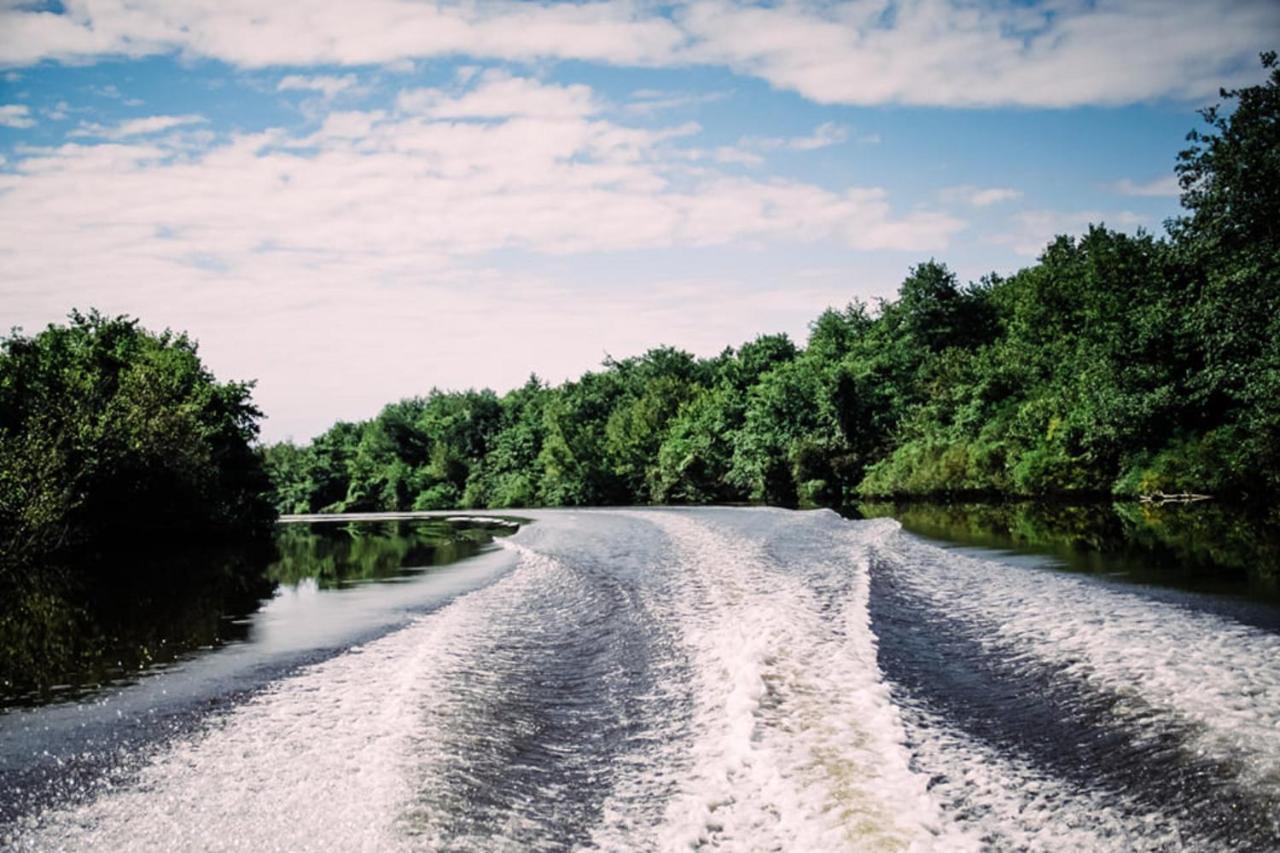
(525, 734)
(797, 745)
(738, 680)
(311, 763)
(1114, 721)
(1012, 804)
(1222, 677)
(318, 761)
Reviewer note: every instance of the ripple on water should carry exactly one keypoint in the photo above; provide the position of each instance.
(1046, 705)
(736, 679)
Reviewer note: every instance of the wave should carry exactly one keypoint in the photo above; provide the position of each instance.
(798, 745)
(1060, 711)
(735, 679)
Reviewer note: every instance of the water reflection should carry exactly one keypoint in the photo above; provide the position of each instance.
(1201, 547)
(67, 631)
(336, 555)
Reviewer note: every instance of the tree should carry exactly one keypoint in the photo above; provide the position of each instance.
(1229, 243)
(109, 433)
(697, 451)
(1230, 173)
(508, 474)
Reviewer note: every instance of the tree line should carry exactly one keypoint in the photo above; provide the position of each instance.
(1116, 364)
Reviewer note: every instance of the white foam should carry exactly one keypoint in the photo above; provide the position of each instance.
(797, 745)
(1221, 677)
(1013, 805)
(326, 759)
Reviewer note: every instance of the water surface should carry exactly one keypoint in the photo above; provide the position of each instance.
(745, 679)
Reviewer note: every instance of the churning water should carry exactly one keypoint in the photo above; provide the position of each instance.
(745, 679)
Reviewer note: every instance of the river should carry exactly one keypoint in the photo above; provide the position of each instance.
(652, 679)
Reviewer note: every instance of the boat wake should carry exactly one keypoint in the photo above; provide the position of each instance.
(745, 679)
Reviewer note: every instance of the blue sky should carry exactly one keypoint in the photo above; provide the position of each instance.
(352, 203)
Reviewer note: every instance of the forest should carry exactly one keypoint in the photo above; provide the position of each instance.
(1115, 365)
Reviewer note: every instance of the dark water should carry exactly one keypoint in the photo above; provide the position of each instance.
(126, 615)
(155, 649)
(1008, 678)
(1201, 547)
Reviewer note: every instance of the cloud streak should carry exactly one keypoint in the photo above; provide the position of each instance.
(135, 127)
(17, 116)
(980, 196)
(824, 135)
(1163, 187)
(933, 52)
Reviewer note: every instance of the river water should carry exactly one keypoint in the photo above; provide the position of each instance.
(741, 679)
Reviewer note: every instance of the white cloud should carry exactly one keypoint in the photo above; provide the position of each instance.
(948, 52)
(497, 94)
(1163, 187)
(953, 53)
(308, 32)
(327, 85)
(16, 116)
(980, 196)
(1032, 230)
(650, 101)
(135, 127)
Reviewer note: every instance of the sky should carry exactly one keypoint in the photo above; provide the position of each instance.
(352, 203)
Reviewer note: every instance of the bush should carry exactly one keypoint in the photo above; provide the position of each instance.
(1199, 464)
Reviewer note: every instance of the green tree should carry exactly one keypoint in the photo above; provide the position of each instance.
(108, 431)
(696, 454)
(1115, 362)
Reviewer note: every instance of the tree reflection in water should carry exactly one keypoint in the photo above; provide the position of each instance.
(68, 630)
(1201, 547)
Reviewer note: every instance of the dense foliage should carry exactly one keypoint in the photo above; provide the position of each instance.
(108, 431)
(1116, 364)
